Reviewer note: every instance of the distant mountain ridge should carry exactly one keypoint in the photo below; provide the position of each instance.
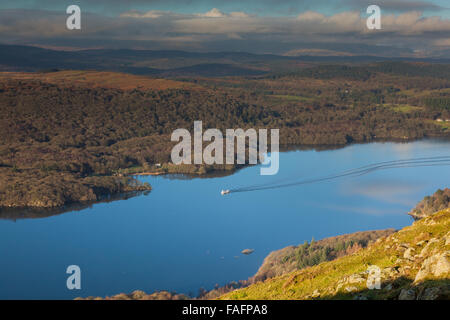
(170, 63)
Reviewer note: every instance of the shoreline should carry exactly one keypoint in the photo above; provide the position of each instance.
(147, 174)
(219, 172)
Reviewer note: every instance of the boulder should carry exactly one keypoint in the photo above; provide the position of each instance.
(388, 287)
(407, 294)
(430, 293)
(436, 265)
(355, 278)
(409, 254)
(426, 250)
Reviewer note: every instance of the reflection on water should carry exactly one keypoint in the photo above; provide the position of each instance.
(184, 235)
(37, 213)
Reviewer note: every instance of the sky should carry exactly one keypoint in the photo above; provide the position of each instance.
(418, 28)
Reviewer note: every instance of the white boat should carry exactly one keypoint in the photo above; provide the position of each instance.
(223, 192)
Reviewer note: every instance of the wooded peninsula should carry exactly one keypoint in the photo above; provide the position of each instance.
(75, 136)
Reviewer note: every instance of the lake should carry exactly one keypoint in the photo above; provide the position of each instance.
(184, 235)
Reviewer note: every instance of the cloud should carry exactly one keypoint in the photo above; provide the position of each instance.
(413, 22)
(407, 23)
(216, 13)
(234, 30)
(213, 13)
(310, 16)
(310, 22)
(350, 21)
(137, 14)
(397, 5)
(239, 14)
(265, 7)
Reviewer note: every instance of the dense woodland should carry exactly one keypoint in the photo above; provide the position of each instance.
(69, 143)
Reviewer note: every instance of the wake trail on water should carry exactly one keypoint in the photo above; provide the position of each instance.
(393, 164)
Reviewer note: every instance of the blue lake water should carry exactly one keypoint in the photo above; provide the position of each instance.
(184, 235)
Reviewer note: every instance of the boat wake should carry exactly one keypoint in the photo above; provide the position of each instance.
(394, 164)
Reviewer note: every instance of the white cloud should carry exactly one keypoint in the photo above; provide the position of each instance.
(216, 13)
(408, 28)
(137, 14)
(311, 16)
(239, 14)
(213, 13)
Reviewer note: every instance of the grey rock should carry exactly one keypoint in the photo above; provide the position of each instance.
(409, 254)
(355, 278)
(407, 294)
(436, 265)
(430, 293)
(389, 287)
(426, 250)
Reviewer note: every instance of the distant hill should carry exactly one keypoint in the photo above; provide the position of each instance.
(169, 62)
(140, 62)
(213, 70)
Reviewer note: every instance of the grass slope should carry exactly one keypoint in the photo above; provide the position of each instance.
(414, 264)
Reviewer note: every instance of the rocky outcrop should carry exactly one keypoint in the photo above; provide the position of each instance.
(411, 264)
(407, 294)
(435, 266)
(440, 200)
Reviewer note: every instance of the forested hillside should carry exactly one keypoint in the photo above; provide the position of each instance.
(69, 136)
